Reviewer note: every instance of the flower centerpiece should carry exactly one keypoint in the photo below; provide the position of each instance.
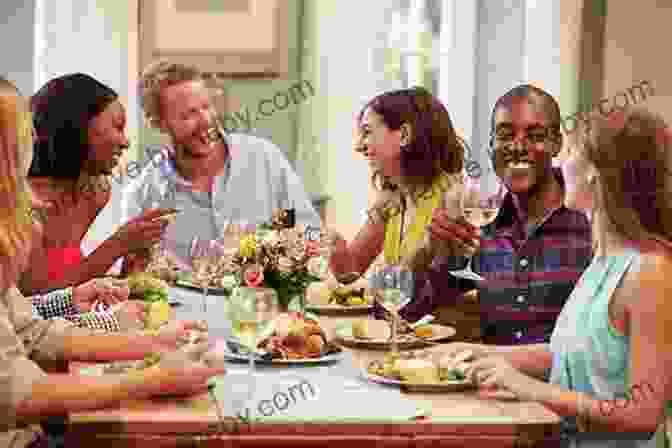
(280, 256)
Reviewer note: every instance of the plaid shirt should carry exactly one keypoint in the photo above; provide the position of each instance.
(529, 274)
(59, 304)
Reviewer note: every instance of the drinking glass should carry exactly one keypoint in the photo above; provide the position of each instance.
(392, 286)
(157, 200)
(480, 206)
(203, 259)
(252, 313)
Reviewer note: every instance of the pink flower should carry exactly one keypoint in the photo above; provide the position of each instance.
(254, 276)
(313, 248)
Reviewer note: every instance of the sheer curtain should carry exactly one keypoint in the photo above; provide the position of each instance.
(419, 47)
(409, 51)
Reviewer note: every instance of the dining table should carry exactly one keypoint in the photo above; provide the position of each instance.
(337, 407)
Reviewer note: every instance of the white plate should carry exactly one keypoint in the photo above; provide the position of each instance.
(212, 290)
(339, 309)
(286, 362)
(443, 386)
(379, 337)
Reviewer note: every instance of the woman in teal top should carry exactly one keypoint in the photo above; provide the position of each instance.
(609, 355)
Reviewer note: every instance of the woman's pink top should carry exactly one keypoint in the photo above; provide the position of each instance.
(60, 259)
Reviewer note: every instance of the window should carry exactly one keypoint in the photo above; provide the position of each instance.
(411, 48)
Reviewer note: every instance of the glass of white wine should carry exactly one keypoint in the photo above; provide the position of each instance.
(480, 204)
(252, 312)
(392, 286)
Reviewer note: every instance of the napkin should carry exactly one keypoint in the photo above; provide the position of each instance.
(295, 397)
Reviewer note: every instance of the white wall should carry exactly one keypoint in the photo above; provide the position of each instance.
(91, 37)
(18, 40)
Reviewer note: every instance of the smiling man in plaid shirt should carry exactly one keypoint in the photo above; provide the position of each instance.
(532, 255)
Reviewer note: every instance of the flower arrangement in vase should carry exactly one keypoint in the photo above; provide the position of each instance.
(280, 256)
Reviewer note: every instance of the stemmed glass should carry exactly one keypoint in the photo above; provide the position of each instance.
(203, 258)
(252, 313)
(392, 286)
(480, 205)
(156, 200)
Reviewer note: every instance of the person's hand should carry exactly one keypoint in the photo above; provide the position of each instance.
(131, 315)
(334, 241)
(99, 290)
(136, 262)
(453, 236)
(495, 374)
(181, 372)
(176, 332)
(461, 352)
(143, 231)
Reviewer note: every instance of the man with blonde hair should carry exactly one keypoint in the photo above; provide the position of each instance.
(212, 177)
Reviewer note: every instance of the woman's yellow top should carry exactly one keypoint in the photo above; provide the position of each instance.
(393, 249)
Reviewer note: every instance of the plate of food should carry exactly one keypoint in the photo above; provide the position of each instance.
(420, 372)
(220, 286)
(375, 334)
(343, 300)
(292, 339)
(147, 287)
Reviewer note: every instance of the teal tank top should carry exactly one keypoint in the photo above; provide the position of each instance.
(589, 353)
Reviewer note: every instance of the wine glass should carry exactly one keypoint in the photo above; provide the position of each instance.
(392, 286)
(480, 206)
(156, 200)
(202, 254)
(252, 313)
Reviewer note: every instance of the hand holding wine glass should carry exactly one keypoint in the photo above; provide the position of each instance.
(480, 206)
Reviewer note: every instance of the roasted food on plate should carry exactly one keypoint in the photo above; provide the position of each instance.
(297, 337)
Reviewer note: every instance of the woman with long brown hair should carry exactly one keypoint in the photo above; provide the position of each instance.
(416, 159)
(27, 393)
(610, 349)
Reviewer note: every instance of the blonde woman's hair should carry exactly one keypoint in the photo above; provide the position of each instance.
(15, 197)
(631, 151)
(158, 76)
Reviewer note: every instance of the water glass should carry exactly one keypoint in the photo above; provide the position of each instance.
(392, 287)
(252, 312)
